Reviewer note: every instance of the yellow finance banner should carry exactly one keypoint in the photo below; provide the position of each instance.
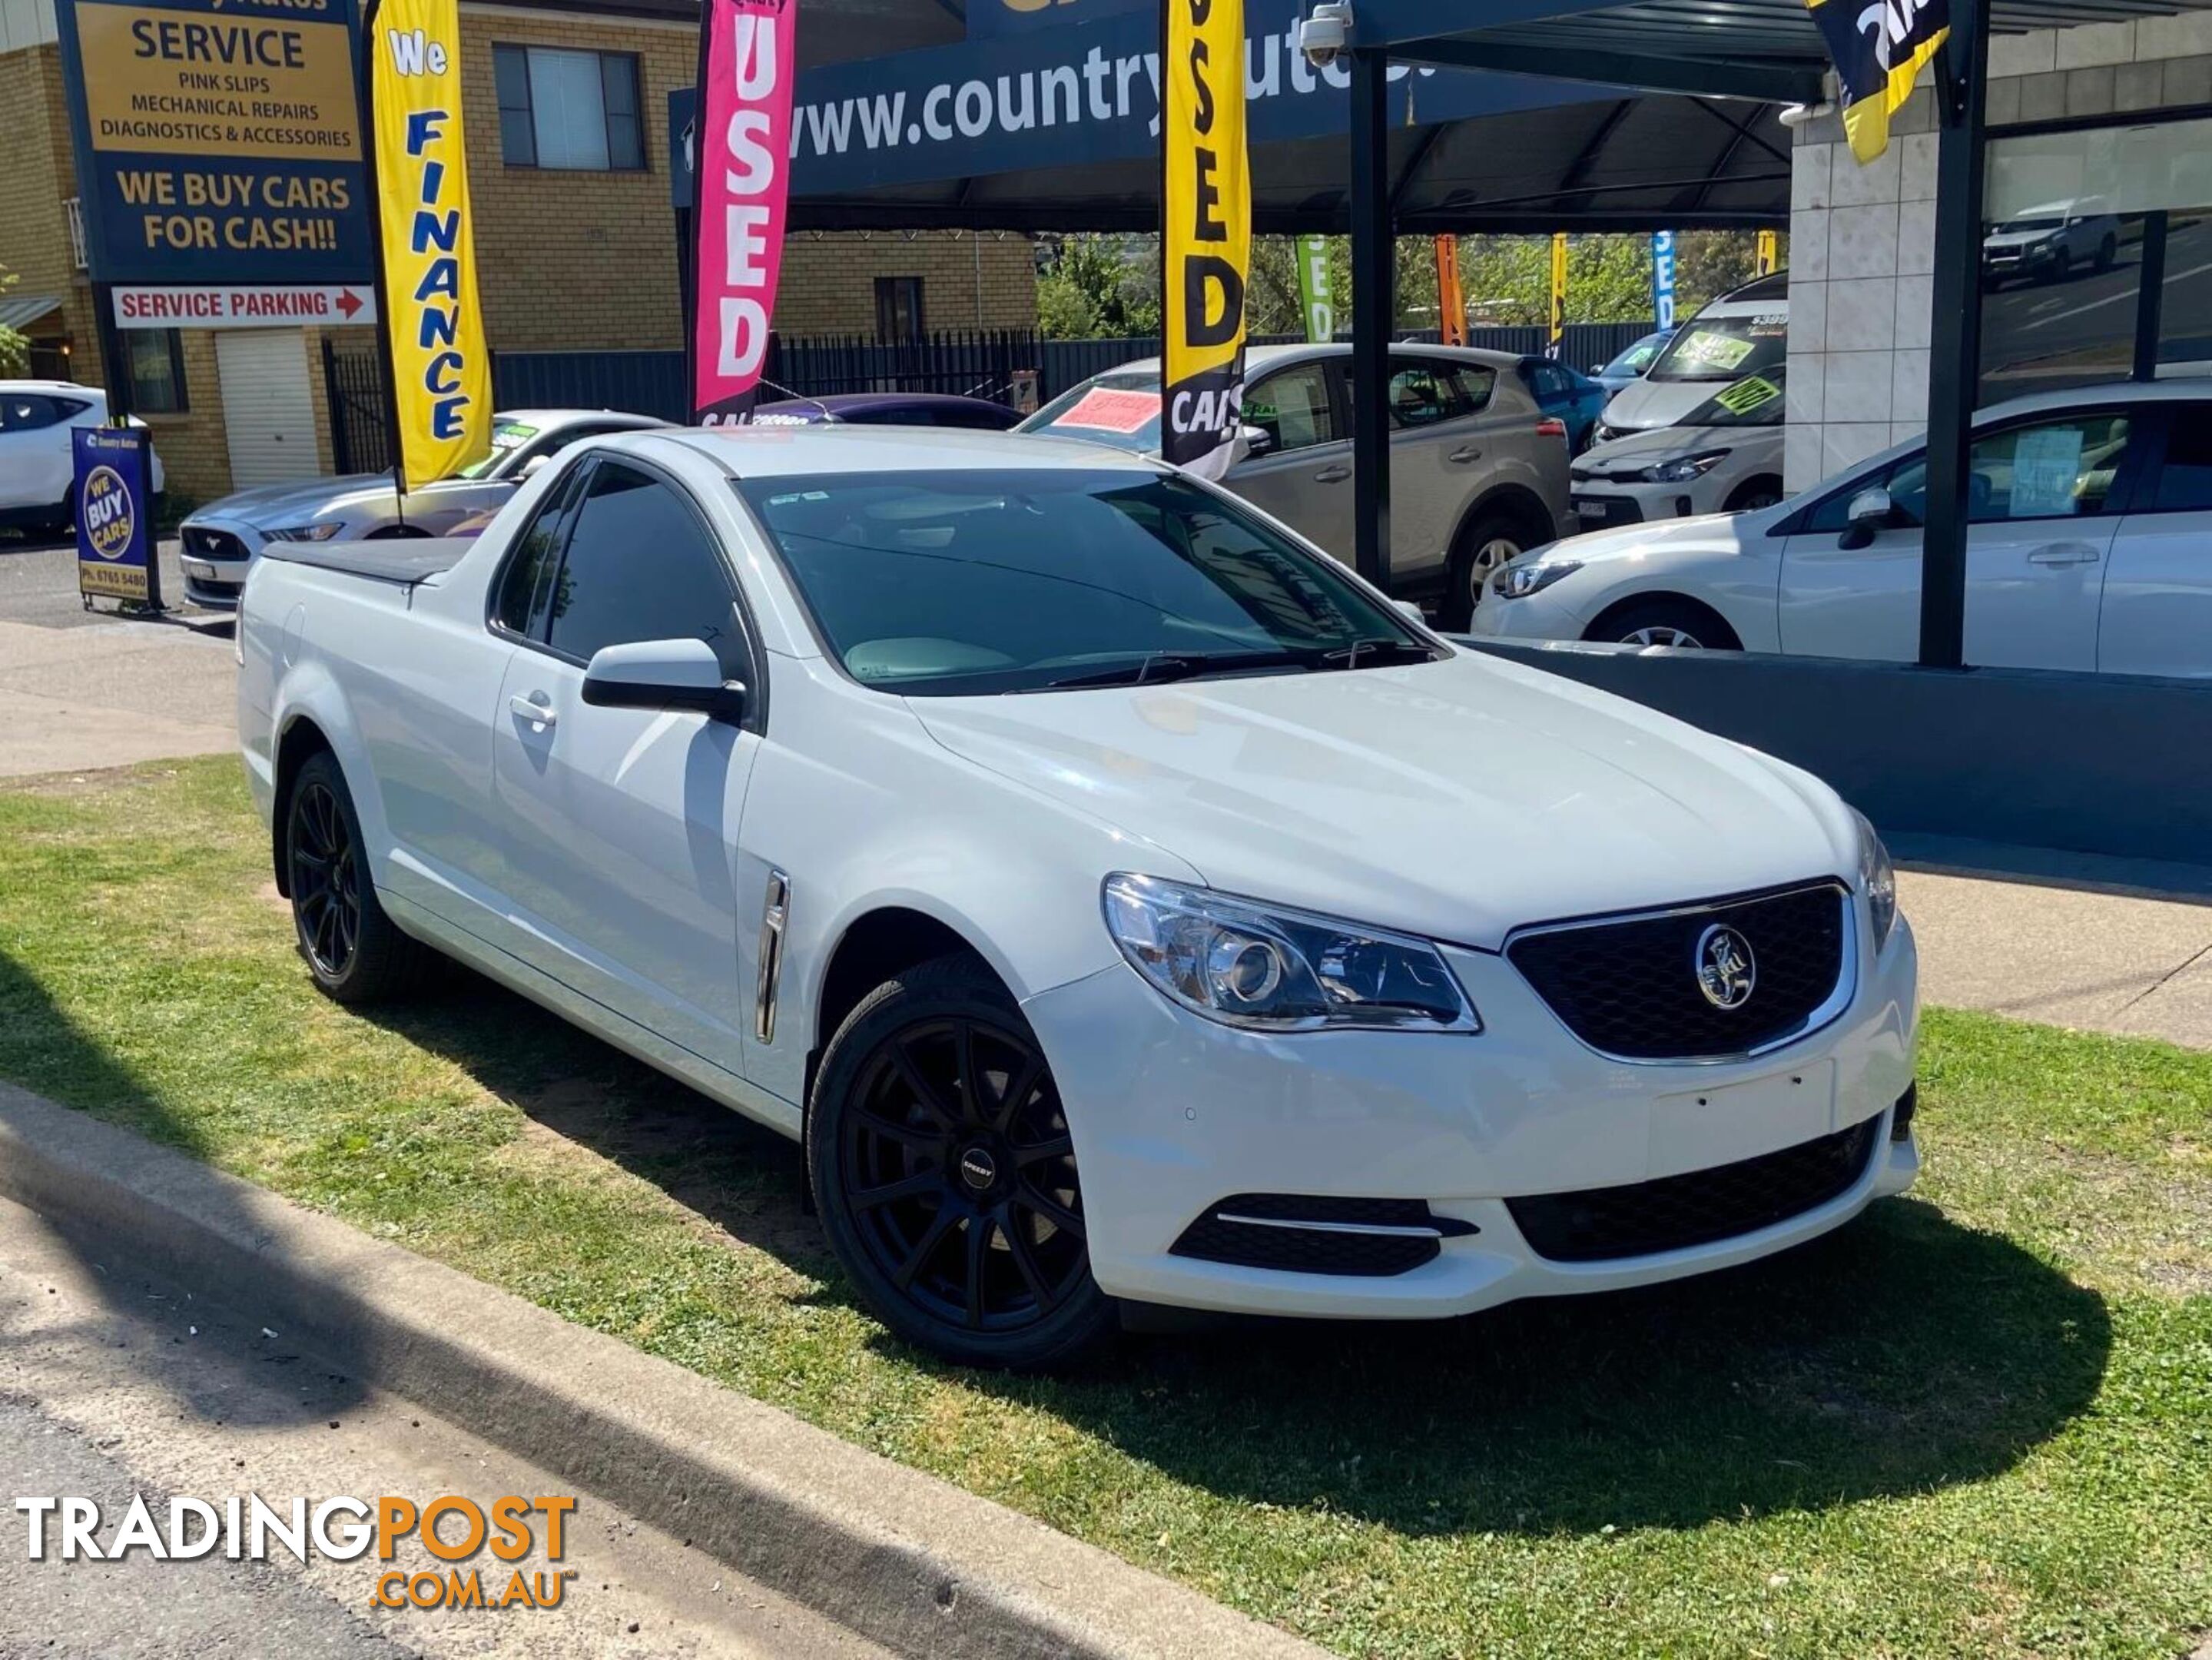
(440, 366)
(1558, 308)
(1208, 235)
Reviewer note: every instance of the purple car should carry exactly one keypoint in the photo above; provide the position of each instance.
(888, 409)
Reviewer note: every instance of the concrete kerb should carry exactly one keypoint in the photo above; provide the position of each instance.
(895, 1555)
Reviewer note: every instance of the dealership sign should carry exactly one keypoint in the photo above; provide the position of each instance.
(112, 467)
(215, 140)
(156, 306)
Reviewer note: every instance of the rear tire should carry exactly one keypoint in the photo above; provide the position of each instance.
(1482, 545)
(941, 1162)
(1665, 621)
(355, 950)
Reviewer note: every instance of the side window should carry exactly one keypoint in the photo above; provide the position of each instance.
(1293, 407)
(526, 588)
(640, 566)
(2184, 485)
(2059, 469)
(26, 412)
(1424, 393)
(1474, 384)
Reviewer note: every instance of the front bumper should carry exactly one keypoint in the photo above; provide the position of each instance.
(1172, 1115)
(216, 553)
(1602, 503)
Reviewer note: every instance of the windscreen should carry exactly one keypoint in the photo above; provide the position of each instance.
(1725, 348)
(507, 437)
(1121, 408)
(963, 582)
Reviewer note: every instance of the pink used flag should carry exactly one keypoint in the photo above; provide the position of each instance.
(747, 63)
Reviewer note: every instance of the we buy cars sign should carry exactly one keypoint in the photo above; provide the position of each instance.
(142, 306)
(217, 142)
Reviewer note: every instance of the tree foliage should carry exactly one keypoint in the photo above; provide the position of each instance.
(1100, 287)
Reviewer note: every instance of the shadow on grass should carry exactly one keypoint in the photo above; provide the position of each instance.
(247, 1374)
(1901, 1353)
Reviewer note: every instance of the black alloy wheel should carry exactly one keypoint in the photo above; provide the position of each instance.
(325, 880)
(945, 1169)
(354, 949)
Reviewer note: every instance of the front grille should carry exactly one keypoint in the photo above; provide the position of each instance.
(1628, 986)
(213, 544)
(1215, 1237)
(1674, 1212)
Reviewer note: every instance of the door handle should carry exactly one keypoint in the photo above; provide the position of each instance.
(2064, 553)
(1332, 475)
(1465, 453)
(537, 707)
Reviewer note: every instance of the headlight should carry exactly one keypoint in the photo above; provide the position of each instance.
(1682, 472)
(1518, 581)
(1602, 433)
(1877, 881)
(1248, 964)
(317, 532)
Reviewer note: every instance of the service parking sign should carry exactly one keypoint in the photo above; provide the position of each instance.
(114, 521)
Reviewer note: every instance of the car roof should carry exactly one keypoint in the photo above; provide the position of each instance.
(779, 452)
(856, 400)
(2189, 389)
(1258, 359)
(543, 418)
(70, 386)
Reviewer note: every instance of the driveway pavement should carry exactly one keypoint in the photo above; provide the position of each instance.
(81, 689)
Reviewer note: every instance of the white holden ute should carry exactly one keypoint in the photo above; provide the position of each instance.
(1078, 863)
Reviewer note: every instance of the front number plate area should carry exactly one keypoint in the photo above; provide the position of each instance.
(1699, 1128)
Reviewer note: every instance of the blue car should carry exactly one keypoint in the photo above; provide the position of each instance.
(1635, 363)
(1568, 393)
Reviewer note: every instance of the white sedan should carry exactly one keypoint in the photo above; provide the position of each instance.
(2089, 514)
(1077, 862)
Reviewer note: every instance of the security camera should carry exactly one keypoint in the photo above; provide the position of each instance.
(1324, 35)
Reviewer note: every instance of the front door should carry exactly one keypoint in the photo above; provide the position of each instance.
(1303, 477)
(618, 826)
(2044, 496)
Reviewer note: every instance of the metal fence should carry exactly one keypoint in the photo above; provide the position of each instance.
(988, 363)
(360, 401)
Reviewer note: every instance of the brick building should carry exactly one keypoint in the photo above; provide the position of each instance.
(567, 111)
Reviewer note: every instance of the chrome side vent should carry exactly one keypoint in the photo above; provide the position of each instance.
(775, 911)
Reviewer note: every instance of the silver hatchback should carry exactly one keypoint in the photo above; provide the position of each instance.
(1477, 471)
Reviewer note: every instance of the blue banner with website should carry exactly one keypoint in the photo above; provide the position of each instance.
(216, 141)
(1073, 93)
(114, 515)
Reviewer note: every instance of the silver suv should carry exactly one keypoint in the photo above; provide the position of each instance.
(1477, 471)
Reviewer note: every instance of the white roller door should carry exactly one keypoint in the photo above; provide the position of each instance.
(268, 411)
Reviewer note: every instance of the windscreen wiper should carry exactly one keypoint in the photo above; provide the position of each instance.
(1182, 666)
(1386, 648)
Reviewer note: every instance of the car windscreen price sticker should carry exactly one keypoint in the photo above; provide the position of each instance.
(114, 521)
(1753, 391)
(1108, 408)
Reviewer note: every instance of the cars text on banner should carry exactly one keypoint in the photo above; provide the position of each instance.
(441, 364)
(1878, 52)
(748, 62)
(1206, 234)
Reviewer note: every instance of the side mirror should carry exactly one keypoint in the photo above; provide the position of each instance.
(536, 464)
(1411, 608)
(1871, 510)
(1256, 441)
(663, 674)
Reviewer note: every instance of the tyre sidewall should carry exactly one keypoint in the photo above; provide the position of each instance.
(947, 987)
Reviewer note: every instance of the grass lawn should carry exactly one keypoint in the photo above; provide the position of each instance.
(1978, 1421)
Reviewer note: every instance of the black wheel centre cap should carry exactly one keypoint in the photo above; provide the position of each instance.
(979, 1169)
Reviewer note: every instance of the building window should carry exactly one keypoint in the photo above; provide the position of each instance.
(156, 357)
(559, 108)
(898, 310)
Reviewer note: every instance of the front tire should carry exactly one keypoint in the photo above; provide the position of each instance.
(943, 1167)
(1665, 622)
(1481, 547)
(355, 950)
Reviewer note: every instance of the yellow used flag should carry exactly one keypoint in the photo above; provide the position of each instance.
(440, 366)
(1207, 241)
